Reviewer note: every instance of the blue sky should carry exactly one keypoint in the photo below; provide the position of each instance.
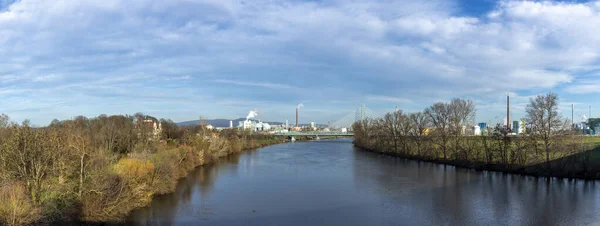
(220, 59)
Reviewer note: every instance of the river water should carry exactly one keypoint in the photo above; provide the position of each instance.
(329, 182)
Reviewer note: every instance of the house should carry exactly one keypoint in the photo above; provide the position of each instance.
(154, 128)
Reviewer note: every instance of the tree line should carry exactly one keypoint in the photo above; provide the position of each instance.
(99, 169)
(441, 133)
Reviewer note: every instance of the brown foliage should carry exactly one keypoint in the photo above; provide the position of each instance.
(99, 169)
(16, 207)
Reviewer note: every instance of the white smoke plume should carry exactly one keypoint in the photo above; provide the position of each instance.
(300, 105)
(251, 114)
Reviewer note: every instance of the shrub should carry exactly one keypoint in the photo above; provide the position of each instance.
(16, 207)
(134, 169)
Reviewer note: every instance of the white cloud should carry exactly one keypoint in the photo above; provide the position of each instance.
(388, 99)
(258, 84)
(183, 77)
(539, 78)
(339, 48)
(584, 87)
(8, 78)
(46, 78)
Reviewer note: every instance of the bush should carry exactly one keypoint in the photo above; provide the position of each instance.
(16, 207)
(134, 169)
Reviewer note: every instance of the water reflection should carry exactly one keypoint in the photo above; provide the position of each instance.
(330, 183)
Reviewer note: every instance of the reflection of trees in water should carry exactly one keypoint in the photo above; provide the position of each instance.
(398, 176)
(560, 200)
(441, 194)
(164, 208)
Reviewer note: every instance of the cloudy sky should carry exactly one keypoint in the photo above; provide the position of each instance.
(182, 59)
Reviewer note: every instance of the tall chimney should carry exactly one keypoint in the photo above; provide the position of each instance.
(508, 112)
(296, 117)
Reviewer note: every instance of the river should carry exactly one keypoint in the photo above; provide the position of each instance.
(329, 182)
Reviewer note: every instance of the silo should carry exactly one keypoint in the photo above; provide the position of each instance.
(476, 131)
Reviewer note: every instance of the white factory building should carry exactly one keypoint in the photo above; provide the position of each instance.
(246, 124)
(255, 126)
(262, 126)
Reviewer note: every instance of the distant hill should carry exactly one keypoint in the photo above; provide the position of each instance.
(225, 122)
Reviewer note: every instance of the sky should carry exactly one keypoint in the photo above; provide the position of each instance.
(185, 59)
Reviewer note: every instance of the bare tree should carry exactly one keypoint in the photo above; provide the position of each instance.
(79, 143)
(462, 116)
(545, 121)
(390, 126)
(418, 132)
(439, 114)
(27, 155)
(502, 140)
(404, 126)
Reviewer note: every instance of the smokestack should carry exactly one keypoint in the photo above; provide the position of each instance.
(572, 115)
(230, 124)
(508, 112)
(298, 107)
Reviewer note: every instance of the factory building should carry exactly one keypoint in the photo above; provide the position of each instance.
(518, 127)
(260, 126)
(476, 131)
(246, 124)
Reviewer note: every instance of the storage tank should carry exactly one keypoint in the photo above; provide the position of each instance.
(476, 131)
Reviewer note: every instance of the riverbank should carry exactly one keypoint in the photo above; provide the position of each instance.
(581, 165)
(169, 184)
(97, 170)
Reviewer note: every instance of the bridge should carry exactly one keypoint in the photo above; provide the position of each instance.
(317, 134)
(341, 127)
(356, 115)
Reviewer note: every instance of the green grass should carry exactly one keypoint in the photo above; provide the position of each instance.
(593, 140)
